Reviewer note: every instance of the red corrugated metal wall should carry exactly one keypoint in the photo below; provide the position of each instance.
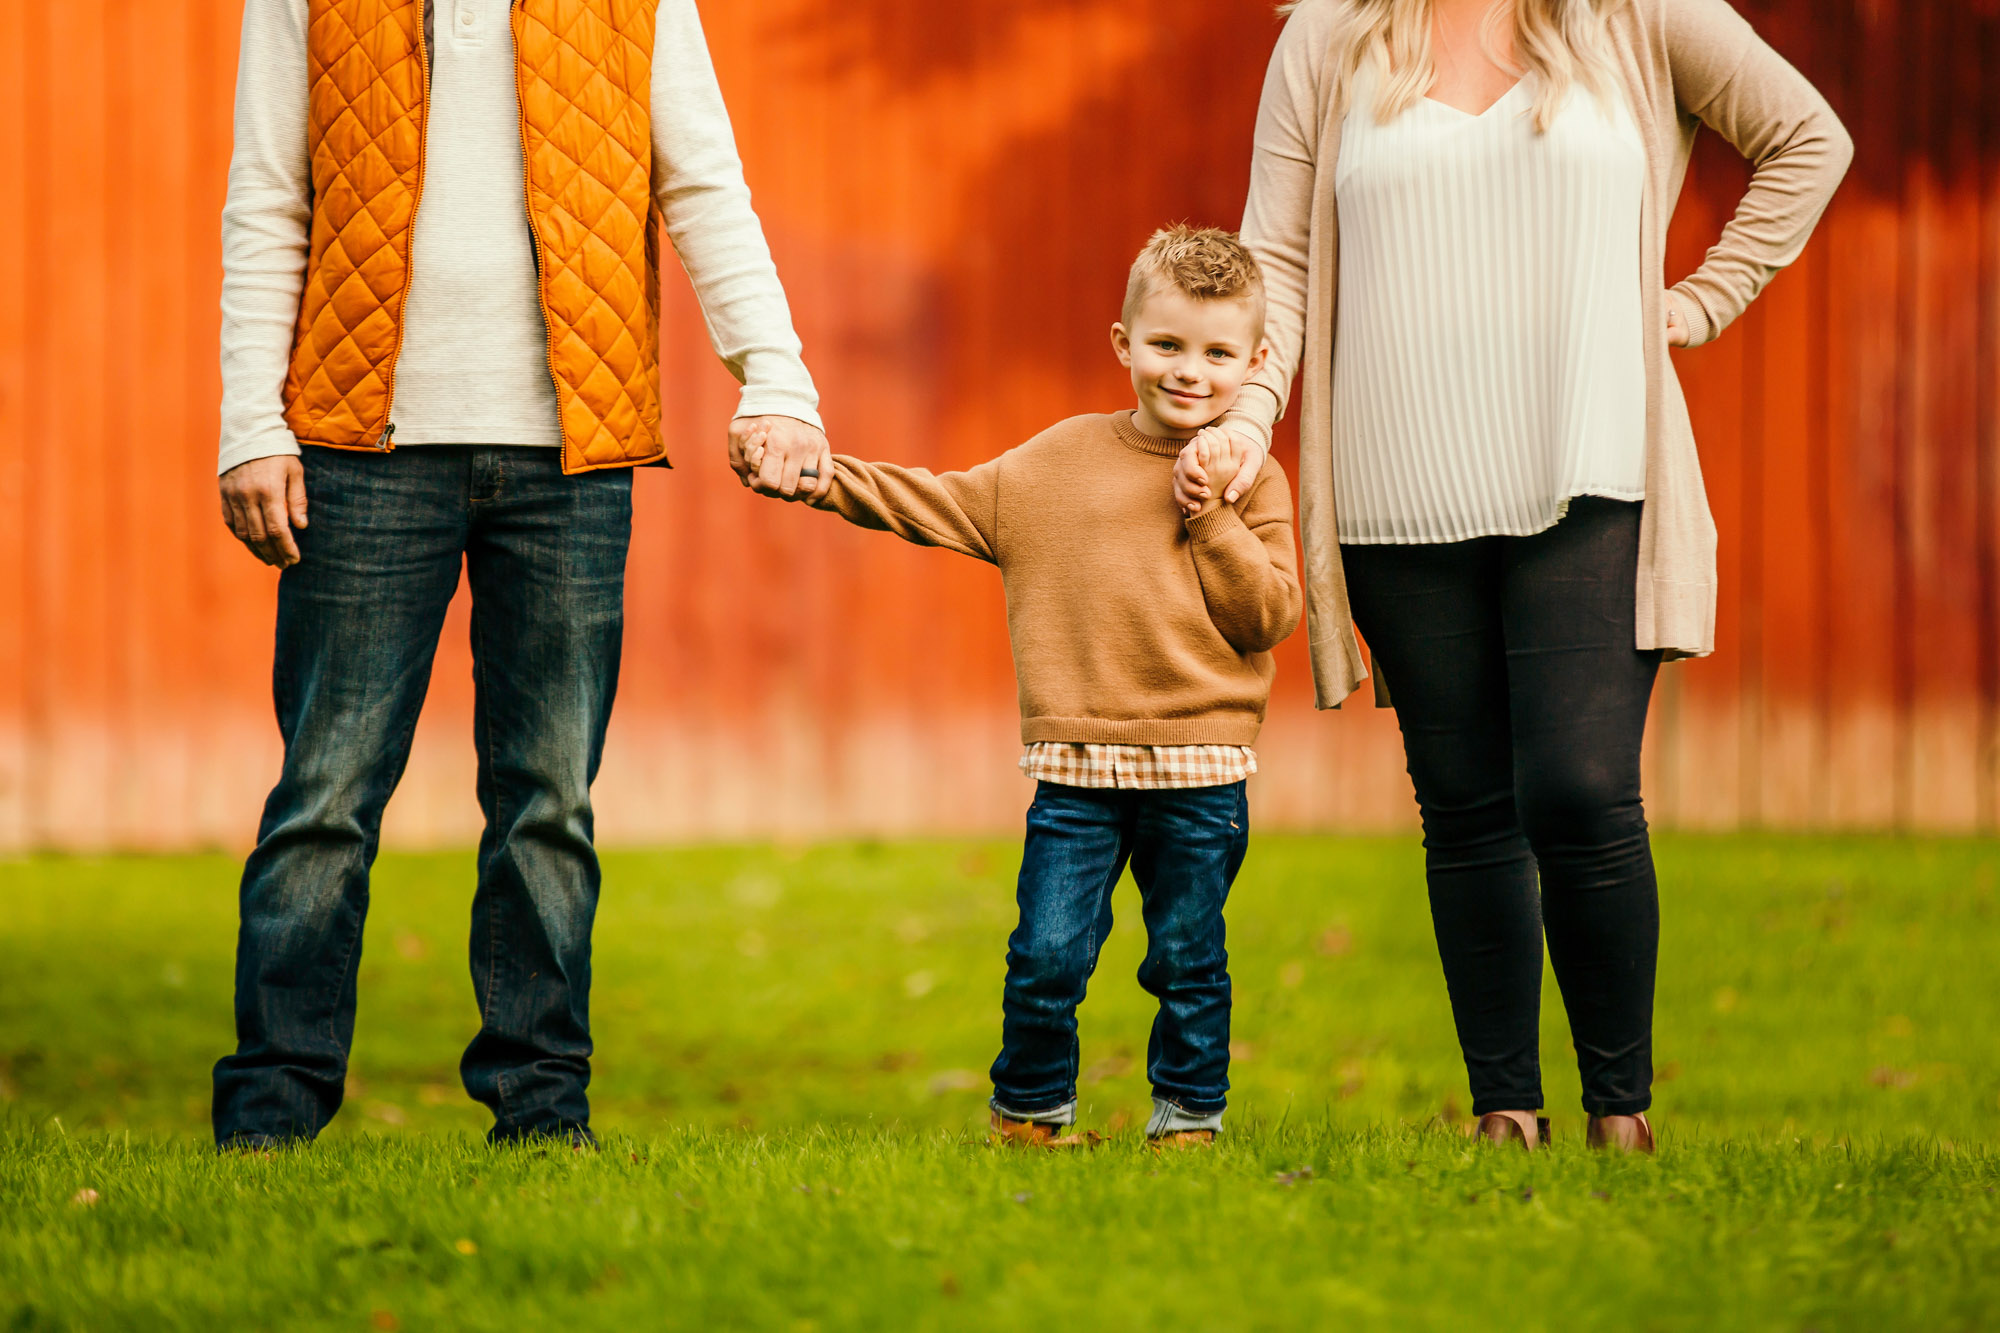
(953, 193)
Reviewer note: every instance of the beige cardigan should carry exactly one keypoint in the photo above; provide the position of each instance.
(1684, 63)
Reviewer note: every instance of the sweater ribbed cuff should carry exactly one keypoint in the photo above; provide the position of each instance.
(1212, 525)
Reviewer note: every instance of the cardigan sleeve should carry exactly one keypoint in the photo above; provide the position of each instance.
(1277, 216)
(1732, 81)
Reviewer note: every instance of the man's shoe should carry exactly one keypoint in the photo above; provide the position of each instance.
(1621, 1133)
(1179, 1139)
(1034, 1134)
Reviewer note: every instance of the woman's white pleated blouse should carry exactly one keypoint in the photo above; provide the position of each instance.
(1488, 354)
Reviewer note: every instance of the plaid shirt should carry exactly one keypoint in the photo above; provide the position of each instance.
(1138, 767)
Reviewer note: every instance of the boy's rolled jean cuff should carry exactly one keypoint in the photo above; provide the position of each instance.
(1169, 1118)
(1064, 1115)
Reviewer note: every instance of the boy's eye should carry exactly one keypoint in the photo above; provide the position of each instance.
(1167, 346)
(1219, 353)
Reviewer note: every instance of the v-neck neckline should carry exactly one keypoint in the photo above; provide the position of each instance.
(1479, 115)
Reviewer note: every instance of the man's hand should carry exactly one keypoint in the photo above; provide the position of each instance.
(1191, 479)
(262, 501)
(792, 460)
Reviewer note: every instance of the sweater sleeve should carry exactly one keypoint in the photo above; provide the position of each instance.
(266, 222)
(1248, 565)
(1728, 77)
(1277, 217)
(956, 510)
(698, 180)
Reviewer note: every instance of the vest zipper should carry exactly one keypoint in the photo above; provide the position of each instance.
(517, 15)
(410, 266)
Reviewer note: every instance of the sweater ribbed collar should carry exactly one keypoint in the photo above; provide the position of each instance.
(1130, 434)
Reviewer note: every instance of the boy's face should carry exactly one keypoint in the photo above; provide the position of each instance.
(1188, 359)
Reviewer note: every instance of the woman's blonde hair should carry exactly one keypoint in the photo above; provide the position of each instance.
(1560, 43)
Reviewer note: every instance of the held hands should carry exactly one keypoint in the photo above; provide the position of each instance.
(1214, 452)
(262, 501)
(781, 456)
(1677, 330)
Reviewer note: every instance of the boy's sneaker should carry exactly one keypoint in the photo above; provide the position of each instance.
(1181, 1138)
(1035, 1134)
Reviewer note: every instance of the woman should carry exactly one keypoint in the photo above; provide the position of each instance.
(1461, 208)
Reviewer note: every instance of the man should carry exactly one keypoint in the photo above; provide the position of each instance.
(440, 343)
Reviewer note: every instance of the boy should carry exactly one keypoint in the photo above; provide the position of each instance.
(1141, 640)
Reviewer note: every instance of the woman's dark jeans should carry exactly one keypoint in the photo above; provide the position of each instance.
(358, 624)
(1185, 847)
(1522, 701)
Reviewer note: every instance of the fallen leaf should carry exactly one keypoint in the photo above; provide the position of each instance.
(1336, 941)
(383, 1319)
(1884, 1077)
(85, 1198)
(464, 1246)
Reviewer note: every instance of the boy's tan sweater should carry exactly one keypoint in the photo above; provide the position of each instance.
(1130, 623)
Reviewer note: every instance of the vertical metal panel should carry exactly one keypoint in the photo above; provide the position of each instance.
(953, 193)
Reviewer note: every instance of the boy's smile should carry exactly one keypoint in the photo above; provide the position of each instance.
(1188, 358)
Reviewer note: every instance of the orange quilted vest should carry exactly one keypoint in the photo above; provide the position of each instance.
(584, 70)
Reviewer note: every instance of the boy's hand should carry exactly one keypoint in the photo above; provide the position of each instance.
(1191, 480)
(1213, 452)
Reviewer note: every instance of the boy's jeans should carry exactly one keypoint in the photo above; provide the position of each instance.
(358, 624)
(1185, 847)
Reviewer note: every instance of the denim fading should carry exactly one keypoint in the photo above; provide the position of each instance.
(357, 630)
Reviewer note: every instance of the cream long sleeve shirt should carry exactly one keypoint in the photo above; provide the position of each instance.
(474, 367)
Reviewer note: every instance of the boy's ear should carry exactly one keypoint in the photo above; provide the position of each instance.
(1121, 343)
(1260, 356)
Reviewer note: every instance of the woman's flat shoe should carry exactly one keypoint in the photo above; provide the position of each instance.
(1622, 1133)
(1496, 1128)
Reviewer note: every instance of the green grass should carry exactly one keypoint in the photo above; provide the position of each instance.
(790, 1089)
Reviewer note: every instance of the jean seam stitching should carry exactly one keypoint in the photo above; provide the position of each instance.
(480, 686)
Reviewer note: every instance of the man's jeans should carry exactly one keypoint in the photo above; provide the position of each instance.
(358, 624)
(1185, 847)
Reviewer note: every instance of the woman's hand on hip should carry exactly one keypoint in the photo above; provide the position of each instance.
(1677, 329)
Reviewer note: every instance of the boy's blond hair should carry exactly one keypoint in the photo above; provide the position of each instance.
(1203, 263)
